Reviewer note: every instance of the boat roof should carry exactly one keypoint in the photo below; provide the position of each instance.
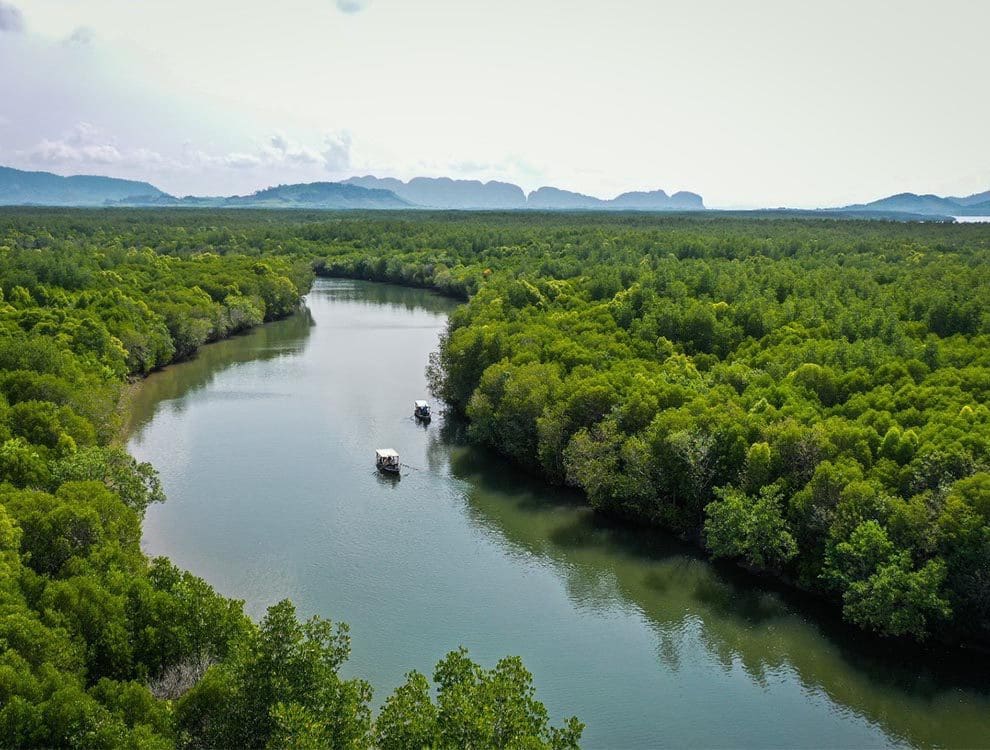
(386, 453)
(422, 403)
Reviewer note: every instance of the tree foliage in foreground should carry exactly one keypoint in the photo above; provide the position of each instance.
(283, 690)
(101, 647)
(474, 708)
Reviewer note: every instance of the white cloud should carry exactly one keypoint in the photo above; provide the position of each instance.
(337, 154)
(281, 150)
(275, 158)
(87, 146)
(11, 18)
(61, 152)
(241, 161)
(84, 144)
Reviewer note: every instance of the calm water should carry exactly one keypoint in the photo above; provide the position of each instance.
(265, 444)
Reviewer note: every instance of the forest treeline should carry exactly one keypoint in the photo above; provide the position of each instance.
(101, 647)
(808, 398)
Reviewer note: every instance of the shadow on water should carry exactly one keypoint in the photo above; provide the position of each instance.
(371, 294)
(389, 481)
(174, 384)
(706, 621)
(741, 621)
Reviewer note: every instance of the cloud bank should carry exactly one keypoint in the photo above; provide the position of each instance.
(87, 148)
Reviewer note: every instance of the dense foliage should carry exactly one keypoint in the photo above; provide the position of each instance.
(102, 648)
(809, 398)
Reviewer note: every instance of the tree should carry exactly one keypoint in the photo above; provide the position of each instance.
(475, 708)
(282, 684)
(881, 589)
(754, 529)
(22, 465)
(897, 600)
(136, 483)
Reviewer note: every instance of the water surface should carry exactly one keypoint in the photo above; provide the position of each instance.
(265, 444)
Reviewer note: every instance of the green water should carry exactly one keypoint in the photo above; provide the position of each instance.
(265, 444)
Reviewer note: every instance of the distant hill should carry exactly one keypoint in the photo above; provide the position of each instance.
(658, 200)
(336, 195)
(973, 200)
(19, 188)
(550, 198)
(443, 192)
(929, 205)
(22, 188)
(308, 195)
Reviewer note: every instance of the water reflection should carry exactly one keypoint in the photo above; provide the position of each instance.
(176, 383)
(363, 294)
(741, 623)
(265, 444)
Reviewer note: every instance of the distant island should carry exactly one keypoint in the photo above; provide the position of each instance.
(368, 192)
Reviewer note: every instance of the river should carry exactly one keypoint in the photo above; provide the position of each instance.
(265, 445)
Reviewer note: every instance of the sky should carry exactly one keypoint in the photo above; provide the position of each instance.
(750, 103)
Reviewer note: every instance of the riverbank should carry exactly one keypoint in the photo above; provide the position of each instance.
(774, 422)
(265, 447)
(124, 414)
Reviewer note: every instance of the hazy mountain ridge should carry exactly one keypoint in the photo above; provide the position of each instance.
(444, 192)
(647, 201)
(929, 204)
(21, 188)
(550, 198)
(361, 192)
(975, 199)
(24, 188)
(318, 195)
(44, 188)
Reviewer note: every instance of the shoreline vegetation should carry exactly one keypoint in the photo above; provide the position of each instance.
(104, 648)
(806, 398)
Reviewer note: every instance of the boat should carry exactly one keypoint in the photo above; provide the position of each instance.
(387, 460)
(422, 410)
